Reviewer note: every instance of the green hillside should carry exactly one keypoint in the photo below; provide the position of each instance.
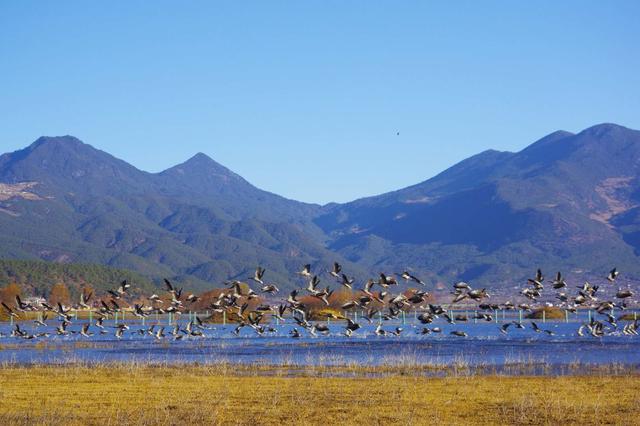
(36, 278)
(568, 202)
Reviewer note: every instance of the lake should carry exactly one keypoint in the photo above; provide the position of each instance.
(484, 346)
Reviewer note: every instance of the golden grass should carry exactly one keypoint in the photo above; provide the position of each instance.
(132, 394)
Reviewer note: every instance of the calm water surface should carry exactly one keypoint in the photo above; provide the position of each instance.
(485, 346)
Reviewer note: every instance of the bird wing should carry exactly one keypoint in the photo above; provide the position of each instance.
(167, 283)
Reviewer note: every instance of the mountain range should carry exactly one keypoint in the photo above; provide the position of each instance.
(567, 202)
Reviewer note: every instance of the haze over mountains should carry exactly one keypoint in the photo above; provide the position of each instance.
(567, 202)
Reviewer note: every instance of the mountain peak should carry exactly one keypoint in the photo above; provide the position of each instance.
(64, 162)
(548, 148)
(202, 168)
(66, 140)
(558, 134)
(200, 156)
(561, 144)
(201, 161)
(604, 129)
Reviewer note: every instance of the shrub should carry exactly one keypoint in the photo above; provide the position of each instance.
(550, 312)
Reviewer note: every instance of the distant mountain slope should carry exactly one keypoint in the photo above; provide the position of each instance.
(68, 202)
(567, 202)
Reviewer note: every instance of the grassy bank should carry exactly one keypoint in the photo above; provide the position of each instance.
(217, 395)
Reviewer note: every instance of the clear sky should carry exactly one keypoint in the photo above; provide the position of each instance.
(305, 98)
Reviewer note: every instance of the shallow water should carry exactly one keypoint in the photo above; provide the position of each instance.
(485, 346)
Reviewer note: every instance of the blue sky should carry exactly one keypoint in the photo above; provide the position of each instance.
(305, 98)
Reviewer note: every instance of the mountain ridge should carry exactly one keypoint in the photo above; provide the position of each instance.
(557, 202)
(184, 222)
(549, 201)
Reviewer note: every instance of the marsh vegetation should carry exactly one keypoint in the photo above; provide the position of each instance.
(138, 394)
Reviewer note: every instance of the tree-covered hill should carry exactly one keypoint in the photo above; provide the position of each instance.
(568, 202)
(37, 278)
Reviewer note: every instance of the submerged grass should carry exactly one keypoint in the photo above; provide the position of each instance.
(225, 394)
(404, 362)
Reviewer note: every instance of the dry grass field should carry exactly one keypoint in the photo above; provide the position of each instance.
(133, 394)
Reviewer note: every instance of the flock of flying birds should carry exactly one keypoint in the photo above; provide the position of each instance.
(381, 305)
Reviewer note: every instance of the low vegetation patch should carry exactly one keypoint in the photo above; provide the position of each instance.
(548, 312)
(628, 317)
(133, 394)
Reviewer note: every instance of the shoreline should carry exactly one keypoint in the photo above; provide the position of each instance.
(352, 370)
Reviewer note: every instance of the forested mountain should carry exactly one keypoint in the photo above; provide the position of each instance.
(64, 201)
(567, 202)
